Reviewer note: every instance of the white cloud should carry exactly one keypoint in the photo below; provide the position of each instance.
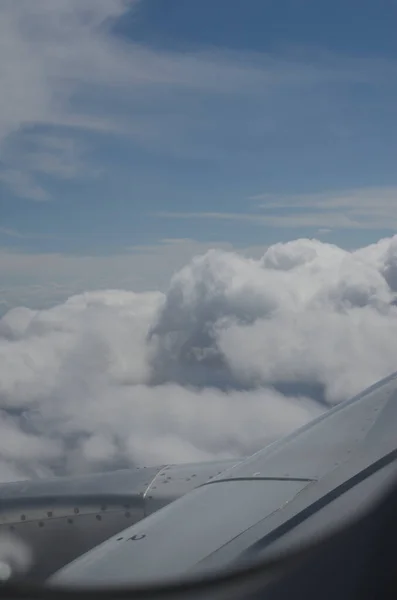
(41, 42)
(79, 377)
(237, 351)
(22, 184)
(359, 208)
(13, 233)
(366, 208)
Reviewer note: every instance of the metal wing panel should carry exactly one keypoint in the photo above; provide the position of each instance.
(173, 481)
(174, 539)
(324, 504)
(61, 518)
(324, 443)
(348, 487)
(125, 483)
(335, 514)
(217, 522)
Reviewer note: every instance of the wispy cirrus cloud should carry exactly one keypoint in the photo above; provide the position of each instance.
(367, 208)
(14, 233)
(29, 156)
(22, 183)
(24, 235)
(359, 208)
(40, 73)
(66, 73)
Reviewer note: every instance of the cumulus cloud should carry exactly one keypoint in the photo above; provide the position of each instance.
(237, 352)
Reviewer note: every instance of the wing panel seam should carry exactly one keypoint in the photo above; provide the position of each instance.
(302, 479)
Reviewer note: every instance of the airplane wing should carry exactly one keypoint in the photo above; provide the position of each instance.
(190, 519)
(291, 491)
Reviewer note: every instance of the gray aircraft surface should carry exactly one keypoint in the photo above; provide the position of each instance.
(139, 526)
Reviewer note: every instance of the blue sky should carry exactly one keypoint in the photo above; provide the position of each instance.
(241, 122)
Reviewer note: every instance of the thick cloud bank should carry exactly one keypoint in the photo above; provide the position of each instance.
(236, 353)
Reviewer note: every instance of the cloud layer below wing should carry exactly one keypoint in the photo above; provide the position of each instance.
(236, 353)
